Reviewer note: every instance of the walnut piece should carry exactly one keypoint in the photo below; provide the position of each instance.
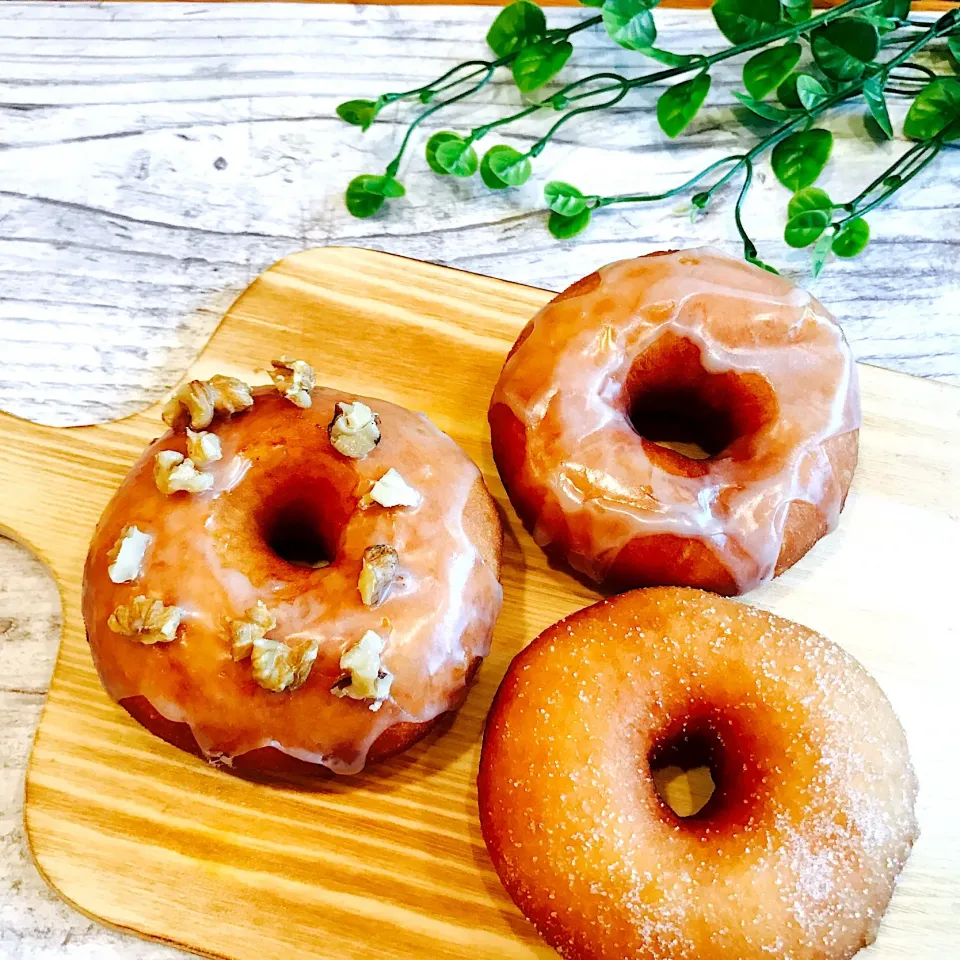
(367, 678)
(146, 620)
(203, 447)
(173, 473)
(127, 555)
(391, 490)
(197, 402)
(294, 379)
(277, 666)
(354, 430)
(257, 623)
(379, 570)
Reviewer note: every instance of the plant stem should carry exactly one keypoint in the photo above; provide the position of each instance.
(644, 198)
(439, 84)
(749, 247)
(927, 151)
(487, 70)
(393, 166)
(893, 170)
(622, 85)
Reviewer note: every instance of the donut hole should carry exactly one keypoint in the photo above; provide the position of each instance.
(685, 772)
(297, 529)
(679, 420)
(678, 406)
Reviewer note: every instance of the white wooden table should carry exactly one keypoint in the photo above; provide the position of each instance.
(155, 158)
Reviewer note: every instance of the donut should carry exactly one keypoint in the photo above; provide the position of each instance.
(293, 579)
(684, 419)
(796, 853)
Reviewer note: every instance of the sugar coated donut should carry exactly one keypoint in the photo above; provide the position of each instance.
(747, 375)
(293, 578)
(795, 855)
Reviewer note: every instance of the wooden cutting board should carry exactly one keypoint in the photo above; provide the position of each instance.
(391, 864)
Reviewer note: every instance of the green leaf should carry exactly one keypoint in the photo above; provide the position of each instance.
(679, 104)
(565, 227)
(842, 49)
(852, 239)
(741, 21)
(489, 178)
(443, 136)
(810, 91)
(564, 198)
(796, 11)
(936, 107)
(518, 25)
(820, 252)
(361, 113)
(537, 64)
(668, 58)
(898, 9)
(953, 44)
(766, 70)
(811, 198)
(873, 94)
(385, 186)
(507, 165)
(787, 93)
(457, 157)
(362, 202)
(805, 228)
(799, 159)
(769, 111)
(882, 23)
(757, 262)
(630, 22)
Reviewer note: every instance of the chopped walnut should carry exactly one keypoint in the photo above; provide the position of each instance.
(173, 473)
(277, 666)
(146, 620)
(203, 447)
(354, 430)
(379, 570)
(126, 555)
(391, 490)
(367, 678)
(197, 402)
(294, 379)
(257, 623)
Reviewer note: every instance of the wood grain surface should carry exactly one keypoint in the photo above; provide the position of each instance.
(156, 157)
(151, 840)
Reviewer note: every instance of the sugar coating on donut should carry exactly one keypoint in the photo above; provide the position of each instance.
(658, 343)
(255, 657)
(796, 854)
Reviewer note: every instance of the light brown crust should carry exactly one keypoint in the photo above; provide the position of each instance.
(795, 855)
(665, 558)
(174, 673)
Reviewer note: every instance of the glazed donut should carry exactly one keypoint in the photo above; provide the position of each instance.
(697, 348)
(301, 580)
(795, 855)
